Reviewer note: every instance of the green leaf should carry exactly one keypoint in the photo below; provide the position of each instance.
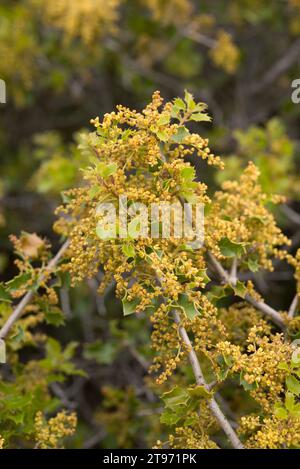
(293, 385)
(199, 392)
(283, 366)
(295, 412)
(55, 317)
(176, 397)
(4, 294)
(231, 249)
(289, 401)
(253, 264)
(129, 307)
(200, 117)
(19, 281)
(179, 105)
(189, 99)
(105, 170)
(182, 132)
(169, 417)
(128, 250)
(164, 119)
(240, 289)
(280, 412)
(162, 135)
(188, 173)
(103, 353)
(188, 306)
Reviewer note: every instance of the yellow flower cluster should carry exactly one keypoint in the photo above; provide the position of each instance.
(187, 437)
(225, 53)
(88, 20)
(258, 364)
(49, 434)
(270, 432)
(239, 212)
(177, 12)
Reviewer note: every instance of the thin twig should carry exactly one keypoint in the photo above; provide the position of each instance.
(289, 57)
(214, 407)
(29, 295)
(258, 304)
(294, 306)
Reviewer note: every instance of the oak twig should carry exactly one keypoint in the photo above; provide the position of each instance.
(29, 295)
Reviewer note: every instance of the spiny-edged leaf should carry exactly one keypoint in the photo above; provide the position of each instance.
(240, 289)
(180, 135)
(280, 412)
(200, 117)
(218, 292)
(171, 417)
(128, 250)
(2, 351)
(189, 99)
(293, 385)
(162, 135)
(188, 306)
(295, 412)
(188, 173)
(289, 401)
(176, 397)
(4, 294)
(284, 366)
(253, 264)
(164, 119)
(19, 281)
(54, 316)
(230, 248)
(129, 307)
(179, 103)
(199, 392)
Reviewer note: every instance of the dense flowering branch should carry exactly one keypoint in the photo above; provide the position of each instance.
(258, 304)
(213, 405)
(30, 294)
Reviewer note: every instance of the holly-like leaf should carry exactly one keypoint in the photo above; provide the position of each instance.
(128, 250)
(187, 306)
(18, 282)
(176, 397)
(4, 294)
(230, 248)
(293, 385)
(280, 412)
(240, 289)
(129, 307)
(200, 117)
(289, 401)
(180, 135)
